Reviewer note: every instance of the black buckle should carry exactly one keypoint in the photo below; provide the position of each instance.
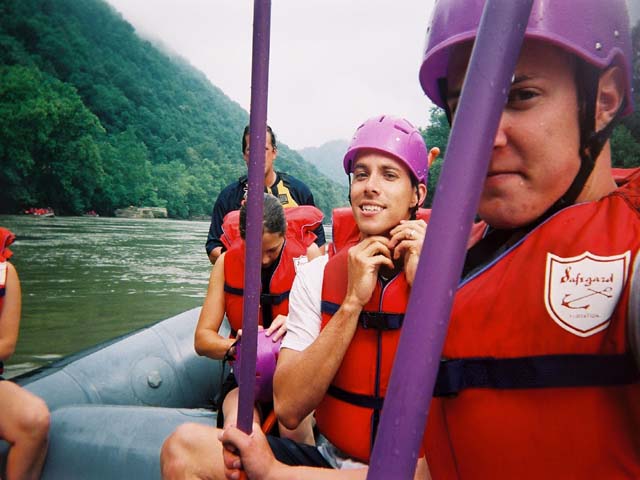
(450, 378)
(381, 320)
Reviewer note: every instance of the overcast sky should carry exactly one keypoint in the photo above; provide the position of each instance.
(334, 63)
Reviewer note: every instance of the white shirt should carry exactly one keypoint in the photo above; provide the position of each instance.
(303, 327)
(305, 298)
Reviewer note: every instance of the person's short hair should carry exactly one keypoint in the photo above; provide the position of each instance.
(274, 220)
(246, 132)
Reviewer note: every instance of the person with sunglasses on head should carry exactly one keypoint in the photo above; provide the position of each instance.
(289, 190)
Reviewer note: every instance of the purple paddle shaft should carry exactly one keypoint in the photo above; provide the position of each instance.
(257, 138)
(415, 369)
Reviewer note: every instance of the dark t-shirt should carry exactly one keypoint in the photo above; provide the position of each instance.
(289, 190)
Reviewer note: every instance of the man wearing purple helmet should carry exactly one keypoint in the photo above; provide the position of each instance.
(346, 310)
(540, 371)
(338, 304)
(539, 342)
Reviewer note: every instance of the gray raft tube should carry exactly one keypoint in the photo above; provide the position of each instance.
(107, 399)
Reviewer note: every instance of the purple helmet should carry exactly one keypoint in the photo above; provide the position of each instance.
(596, 31)
(266, 358)
(392, 135)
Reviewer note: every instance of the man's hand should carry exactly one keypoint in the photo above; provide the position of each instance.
(365, 260)
(248, 453)
(278, 328)
(406, 242)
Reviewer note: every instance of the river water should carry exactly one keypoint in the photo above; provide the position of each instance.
(89, 279)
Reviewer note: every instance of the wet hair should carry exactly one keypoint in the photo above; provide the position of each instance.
(274, 220)
(246, 132)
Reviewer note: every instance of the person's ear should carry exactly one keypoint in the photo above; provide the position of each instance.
(420, 194)
(610, 96)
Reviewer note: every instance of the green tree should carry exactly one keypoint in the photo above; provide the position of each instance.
(49, 143)
(625, 149)
(435, 134)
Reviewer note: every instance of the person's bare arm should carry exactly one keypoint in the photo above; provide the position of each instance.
(10, 315)
(208, 342)
(302, 378)
(313, 251)
(215, 254)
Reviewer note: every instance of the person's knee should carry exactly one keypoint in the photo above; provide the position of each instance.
(35, 419)
(175, 451)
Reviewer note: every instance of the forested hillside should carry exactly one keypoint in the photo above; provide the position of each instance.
(95, 118)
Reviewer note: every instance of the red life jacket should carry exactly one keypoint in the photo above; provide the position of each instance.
(345, 232)
(6, 239)
(301, 221)
(3, 282)
(552, 313)
(349, 413)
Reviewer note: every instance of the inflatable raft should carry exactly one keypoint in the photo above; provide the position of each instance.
(113, 405)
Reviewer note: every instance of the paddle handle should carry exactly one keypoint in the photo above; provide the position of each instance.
(255, 202)
(414, 372)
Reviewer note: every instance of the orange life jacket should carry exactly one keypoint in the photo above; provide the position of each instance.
(6, 239)
(349, 413)
(3, 282)
(542, 383)
(301, 221)
(345, 232)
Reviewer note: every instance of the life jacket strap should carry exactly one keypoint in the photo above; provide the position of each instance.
(381, 320)
(372, 320)
(273, 299)
(366, 401)
(233, 290)
(547, 371)
(265, 298)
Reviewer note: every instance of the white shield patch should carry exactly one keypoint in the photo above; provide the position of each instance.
(581, 292)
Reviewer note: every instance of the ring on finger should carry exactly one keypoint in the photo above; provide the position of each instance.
(411, 234)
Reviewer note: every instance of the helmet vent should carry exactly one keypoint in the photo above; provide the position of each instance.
(402, 129)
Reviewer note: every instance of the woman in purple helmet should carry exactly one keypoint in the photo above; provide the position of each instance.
(545, 321)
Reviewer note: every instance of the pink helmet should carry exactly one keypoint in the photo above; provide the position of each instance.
(392, 135)
(595, 30)
(266, 359)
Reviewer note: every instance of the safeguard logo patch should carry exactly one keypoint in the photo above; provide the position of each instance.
(581, 292)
